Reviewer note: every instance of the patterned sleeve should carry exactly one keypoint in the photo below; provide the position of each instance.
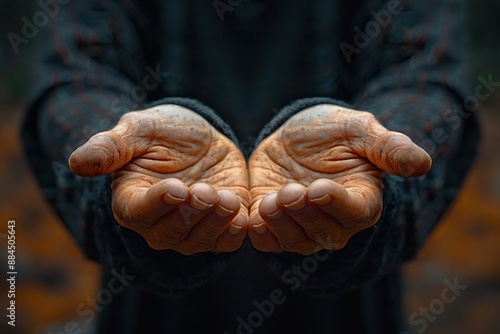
(403, 63)
(413, 78)
(90, 69)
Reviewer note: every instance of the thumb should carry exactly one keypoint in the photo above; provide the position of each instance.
(104, 152)
(396, 153)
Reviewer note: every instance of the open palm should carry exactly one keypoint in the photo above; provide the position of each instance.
(317, 180)
(176, 180)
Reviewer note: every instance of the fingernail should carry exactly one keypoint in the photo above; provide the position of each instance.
(199, 204)
(296, 205)
(222, 211)
(171, 199)
(276, 215)
(260, 228)
(325, 199)
(233, 229)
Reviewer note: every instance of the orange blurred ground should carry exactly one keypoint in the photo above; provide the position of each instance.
(466, 246)
(54, 277)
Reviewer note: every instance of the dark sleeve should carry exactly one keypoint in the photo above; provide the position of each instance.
(411, 77)
(90, 69)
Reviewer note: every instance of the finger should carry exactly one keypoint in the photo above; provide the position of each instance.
(395, 152)
(204, 234)
(293, 200)
(323, 229)
(234, 236)
(141, 206)
(359, 205)
(173, 227)
(320, 222)
(291, 236)
(261, 237)
(105, 152)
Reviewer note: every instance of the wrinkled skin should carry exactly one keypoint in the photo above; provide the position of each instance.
(176, 180)
(317, 180)
(314, 182)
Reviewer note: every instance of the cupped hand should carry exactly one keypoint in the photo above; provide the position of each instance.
(317, 180)
(176, 180)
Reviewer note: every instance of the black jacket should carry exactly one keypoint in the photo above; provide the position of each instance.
(247, 66)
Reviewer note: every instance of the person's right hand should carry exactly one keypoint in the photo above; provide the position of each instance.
(176, 180)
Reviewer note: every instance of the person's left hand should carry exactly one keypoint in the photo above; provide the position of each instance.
(317, 180)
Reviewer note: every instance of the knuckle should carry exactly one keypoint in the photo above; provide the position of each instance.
(287, 246)
(266, 246)
(204, 244)
(122, 217)
(130, 218)
(293, 246)
(229, 246)
(118, 214)
(367, 117)
(186, 252)
(357, 216)
(309, 250)
(155, 244)
(167, 236)
(129, 117)
(375, 214)
(338, 245)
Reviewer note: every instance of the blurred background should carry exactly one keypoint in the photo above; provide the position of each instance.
(54, 277)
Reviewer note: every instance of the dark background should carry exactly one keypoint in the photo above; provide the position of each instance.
(54, 277)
